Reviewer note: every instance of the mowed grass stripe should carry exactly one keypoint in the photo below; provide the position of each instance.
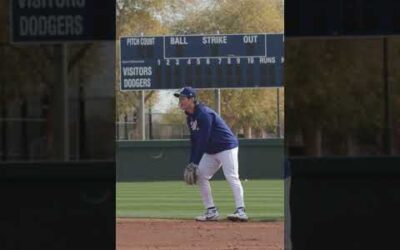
(190, 215)
(174, 192)
(184, 214)
(185, 199)
(196, 193)
(266, 184)
(174, 199)
(166, 205)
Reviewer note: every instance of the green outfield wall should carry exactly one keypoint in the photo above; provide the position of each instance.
(165, 159)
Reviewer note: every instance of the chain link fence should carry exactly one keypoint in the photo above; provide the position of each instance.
(157, 129)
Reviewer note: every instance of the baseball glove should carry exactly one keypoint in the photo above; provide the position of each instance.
(190, 174)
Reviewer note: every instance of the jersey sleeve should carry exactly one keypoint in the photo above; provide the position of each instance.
(203, 135)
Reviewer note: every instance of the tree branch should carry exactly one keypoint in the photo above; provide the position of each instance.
(34, 64)
(149, 95)
(47, 53)
(79, 55)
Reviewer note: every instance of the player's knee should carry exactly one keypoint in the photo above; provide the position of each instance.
(232, 178)
(201, 176)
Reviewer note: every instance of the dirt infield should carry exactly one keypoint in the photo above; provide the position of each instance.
(187, 234)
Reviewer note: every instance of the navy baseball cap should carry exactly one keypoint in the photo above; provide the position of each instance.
(186, 92)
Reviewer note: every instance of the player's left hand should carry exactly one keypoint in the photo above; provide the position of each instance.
(190, 174)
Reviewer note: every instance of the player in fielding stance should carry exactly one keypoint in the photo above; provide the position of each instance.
(212, 145)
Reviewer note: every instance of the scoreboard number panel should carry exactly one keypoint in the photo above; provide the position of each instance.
(202, 61)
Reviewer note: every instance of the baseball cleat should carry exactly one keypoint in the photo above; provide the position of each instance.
(238, 215)
(211, 214)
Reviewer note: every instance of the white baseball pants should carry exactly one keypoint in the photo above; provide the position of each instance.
(209, 165)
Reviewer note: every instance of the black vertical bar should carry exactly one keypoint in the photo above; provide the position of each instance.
(4, 125)
(24, 132)
(82, 123)
(59, 106)
(387, 140)
(45, 114)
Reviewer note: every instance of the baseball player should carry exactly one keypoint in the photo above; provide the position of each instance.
(212, 145)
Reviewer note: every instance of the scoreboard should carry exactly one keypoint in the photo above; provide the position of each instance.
(201, 61)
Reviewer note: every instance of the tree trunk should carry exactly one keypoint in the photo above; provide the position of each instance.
(351, 145)
(59, 108)
(140, 117)
(312, 138)
(247, 132)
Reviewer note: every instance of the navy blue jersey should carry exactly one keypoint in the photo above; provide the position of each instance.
(208, 133)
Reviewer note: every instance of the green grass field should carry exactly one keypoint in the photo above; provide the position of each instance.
(174, 199)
